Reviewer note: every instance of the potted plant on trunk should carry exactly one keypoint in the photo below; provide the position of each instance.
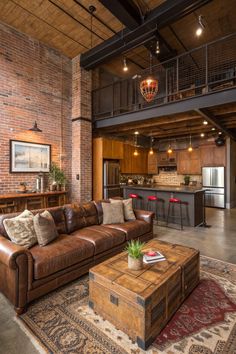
(135, 254)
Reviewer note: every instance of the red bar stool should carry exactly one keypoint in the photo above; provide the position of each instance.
(151, 199)
(175, 201)
(136, 199)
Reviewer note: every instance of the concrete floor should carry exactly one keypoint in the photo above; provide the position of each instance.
(218, 241)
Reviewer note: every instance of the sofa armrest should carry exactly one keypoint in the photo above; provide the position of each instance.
(144, 215)
(9, 252)
(15, 273)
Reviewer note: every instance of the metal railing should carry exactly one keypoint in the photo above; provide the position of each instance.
(209, 68)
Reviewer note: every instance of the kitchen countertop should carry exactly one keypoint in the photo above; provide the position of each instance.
(167, 188)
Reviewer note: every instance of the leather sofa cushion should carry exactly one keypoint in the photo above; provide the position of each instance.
(79, 216)
(75, 219)
(132, 229)
(90, 214)
(101, 237)
(63, 252)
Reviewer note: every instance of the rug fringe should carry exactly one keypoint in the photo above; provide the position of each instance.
(36, 343)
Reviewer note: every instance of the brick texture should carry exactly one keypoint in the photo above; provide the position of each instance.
(81, 133)
(35, 85)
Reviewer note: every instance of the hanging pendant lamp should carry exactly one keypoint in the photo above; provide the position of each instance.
(149, 86)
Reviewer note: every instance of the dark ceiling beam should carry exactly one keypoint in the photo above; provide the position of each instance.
(165, 14)
(128, 13)
(125, 11)
(206, 114)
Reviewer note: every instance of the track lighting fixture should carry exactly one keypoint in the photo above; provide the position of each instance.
(205, 122)
(200, 27)
(157, 47)
(125, 67)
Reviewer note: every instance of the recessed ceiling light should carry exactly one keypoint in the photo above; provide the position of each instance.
(136, 133)
(220, 133)
(205, 122)
(202, 135)
(213, 128)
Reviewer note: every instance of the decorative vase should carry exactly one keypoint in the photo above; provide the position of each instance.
(135, 263)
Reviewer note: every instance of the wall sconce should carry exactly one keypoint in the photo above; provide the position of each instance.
(35, 128)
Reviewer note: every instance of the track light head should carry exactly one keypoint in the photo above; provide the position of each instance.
(200, 27)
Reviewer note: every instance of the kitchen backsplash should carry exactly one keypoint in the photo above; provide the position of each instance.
(172, 178)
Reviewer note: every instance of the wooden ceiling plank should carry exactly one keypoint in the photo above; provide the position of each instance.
(206, 114)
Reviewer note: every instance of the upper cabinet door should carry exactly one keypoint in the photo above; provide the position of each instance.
(212, 156)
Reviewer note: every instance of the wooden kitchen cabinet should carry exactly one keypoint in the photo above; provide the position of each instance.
(152, 164)
(189, 162)
(126, 162)
(112, 149)
(134, 164)
(212, 155)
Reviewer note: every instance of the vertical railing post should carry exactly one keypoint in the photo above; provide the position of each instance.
(113, 99)
(166, 98)
(206, 63)
(177, 75)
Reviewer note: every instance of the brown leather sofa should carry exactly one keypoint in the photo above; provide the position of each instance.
(27, 274)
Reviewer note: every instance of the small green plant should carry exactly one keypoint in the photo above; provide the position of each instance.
(186, 180)
(56, 175)
(134, 249)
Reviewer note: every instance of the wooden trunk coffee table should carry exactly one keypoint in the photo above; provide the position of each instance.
(140, 303)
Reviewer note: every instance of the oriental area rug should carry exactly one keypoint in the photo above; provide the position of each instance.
(62, 322)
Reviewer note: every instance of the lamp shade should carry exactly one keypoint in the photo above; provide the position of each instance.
(149, 88)
(35, 128)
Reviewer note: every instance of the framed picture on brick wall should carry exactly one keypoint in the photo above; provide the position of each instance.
(29, 157)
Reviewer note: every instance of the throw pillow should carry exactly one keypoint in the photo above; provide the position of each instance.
(20, 229)
(45, 228)
(113, 213)
(128, 208)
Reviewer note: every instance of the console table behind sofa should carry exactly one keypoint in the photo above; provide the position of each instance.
(14, 202)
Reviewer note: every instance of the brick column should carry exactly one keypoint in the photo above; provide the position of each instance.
(81, 133)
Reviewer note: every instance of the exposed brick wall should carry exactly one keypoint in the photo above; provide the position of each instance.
(35, 85)
(81, 133)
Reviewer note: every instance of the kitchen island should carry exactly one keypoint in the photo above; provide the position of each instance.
(192, 198)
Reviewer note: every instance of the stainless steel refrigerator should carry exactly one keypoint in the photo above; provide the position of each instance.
(213, 179)
(111, 179)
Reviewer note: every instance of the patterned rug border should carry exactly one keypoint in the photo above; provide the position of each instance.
(42, 347)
